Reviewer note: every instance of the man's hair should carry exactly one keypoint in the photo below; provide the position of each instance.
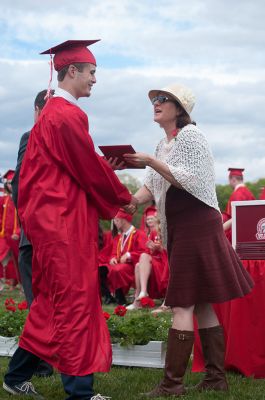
(61, 74)
(40, 100)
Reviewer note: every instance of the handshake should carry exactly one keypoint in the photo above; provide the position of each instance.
(132, 207)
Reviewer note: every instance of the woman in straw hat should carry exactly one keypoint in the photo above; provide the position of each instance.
(204, 269)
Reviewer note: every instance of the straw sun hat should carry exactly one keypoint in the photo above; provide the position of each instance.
(180, 93)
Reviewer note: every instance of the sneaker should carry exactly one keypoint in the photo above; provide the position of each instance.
(24, 388)
(99, 397)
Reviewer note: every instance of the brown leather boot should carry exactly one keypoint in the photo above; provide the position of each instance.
(179, 347)
(213, 348)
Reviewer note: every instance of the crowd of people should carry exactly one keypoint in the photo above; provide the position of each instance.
(62, 187)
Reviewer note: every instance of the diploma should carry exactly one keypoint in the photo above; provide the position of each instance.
(117, 151)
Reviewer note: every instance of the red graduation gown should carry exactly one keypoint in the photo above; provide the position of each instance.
(105, 253)
(64, 188)
(240, 194)
(158, 280)
(8, 227)
(262, 195)
(121, 275)
(244, 328)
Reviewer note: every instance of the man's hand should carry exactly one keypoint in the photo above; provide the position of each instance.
(15, 236)
(132, 207)
(113, 163)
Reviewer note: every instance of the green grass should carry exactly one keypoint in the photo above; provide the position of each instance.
(127, 383)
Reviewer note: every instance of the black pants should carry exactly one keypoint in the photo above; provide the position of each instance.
(25, 269)
(23, 364)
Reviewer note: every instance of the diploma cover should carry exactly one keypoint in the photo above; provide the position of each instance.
(117, 151)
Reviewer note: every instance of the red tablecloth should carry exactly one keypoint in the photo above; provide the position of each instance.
(244, 327)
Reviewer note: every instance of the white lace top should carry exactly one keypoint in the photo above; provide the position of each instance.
(190, 160)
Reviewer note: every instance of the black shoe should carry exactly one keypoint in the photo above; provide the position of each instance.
(44, 370)
(109, 300)
(24, 388)
(120, 298)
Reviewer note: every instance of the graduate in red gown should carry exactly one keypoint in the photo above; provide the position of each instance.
(240, 193)
(126, 250)
(152, 271)
(65, 187)
(9, 234)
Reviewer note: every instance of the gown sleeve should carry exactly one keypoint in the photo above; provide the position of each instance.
(72, 148)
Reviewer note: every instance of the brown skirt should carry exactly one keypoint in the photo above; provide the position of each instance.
(204, 268)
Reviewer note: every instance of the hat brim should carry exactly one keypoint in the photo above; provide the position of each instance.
(154, 92)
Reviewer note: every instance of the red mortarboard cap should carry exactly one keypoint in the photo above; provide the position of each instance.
(150, 211)
(8, 175)
(236, 171)
(70, 52)
(124, 215)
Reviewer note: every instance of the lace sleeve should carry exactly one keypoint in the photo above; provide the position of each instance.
(149, 178)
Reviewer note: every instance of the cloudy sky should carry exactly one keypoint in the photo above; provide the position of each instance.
(216, 47)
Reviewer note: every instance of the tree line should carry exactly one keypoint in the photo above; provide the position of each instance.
(223, 194)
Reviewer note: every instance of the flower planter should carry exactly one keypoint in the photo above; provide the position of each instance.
(8, 346)
(151, 355)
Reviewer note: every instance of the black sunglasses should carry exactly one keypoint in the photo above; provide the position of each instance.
(161, 98)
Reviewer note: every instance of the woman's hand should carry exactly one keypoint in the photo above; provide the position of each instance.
(138, 159)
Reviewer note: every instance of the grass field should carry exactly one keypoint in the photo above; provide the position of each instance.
(127, 383)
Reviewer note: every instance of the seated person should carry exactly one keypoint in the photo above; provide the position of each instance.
(117, 276)
(152, 270)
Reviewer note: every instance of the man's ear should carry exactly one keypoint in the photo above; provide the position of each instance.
(71, 70)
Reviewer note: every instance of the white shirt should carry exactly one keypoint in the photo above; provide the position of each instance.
(65, 95)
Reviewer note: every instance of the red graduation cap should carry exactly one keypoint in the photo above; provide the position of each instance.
(124, 215)
(8, 175)
(236, 172)
(70, 52)
(150, 211)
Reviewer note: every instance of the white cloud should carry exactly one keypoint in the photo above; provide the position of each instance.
(214, 47)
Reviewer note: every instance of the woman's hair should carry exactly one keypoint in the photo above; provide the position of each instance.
(61, 74)
(184, 118)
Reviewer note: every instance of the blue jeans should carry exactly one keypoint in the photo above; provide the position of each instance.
(78, 387)
(23, 364)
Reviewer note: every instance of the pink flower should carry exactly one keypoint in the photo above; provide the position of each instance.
(175, 132)
(120, 310)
